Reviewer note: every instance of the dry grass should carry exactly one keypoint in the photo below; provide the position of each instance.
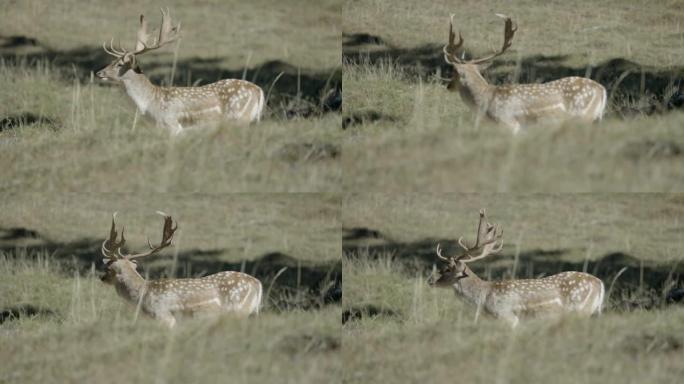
(239, 34)
(404, 331)
(408, 133)
(81, 331)
(62, 130)
(637, 30)
(59, 323)
(240, 226)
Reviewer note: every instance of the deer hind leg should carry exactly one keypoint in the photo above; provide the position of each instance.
(594, 109)
(597, 306)
(251, 112)
(257, 107)
(600, 105)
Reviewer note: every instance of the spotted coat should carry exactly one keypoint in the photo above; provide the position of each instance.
(177, 108)
(224, 292)
(562, 293)
(515, 105)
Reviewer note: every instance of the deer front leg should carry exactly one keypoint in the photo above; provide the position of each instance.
(511, 123)
(510, 317)
(172, 124)
(177, 129)
(167, 318)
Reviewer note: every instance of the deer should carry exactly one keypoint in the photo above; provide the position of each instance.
(229, 292)
(560, 294)
(515, 105)
(177, 108)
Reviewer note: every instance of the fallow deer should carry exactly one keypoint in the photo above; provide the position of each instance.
(177, 108)
(562, 293)
(514, 105)
(224, 292)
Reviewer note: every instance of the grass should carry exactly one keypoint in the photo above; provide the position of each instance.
(401, 330)
(406, 132)
(61, 324)
(584, 225)
(62, 130)
(240, 226)
(90, 334)
(239, 34)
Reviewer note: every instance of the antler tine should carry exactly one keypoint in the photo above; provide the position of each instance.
(451, 48)
(143, 36)
(463, 244)
(167, 236)
(439, 253)
(120, 52)
(482, 227)
(167, 33)
(487, 250)
(509, 32)
(111, 249)
(104, 46)
(489, 246)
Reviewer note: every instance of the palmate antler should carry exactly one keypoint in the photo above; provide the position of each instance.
(451, 49)
(487, 236)
(167, 34)
(111, 248)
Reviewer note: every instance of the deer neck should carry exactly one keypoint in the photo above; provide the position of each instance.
(472, 288)
(129, 284)
(474, 89)
(141, 90)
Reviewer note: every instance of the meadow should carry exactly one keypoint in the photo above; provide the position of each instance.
(61, 129)
(60, 323)
(407, 132)
(399, 329)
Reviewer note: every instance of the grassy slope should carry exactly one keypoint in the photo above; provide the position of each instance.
(88, 137)
(422, 334)
(412, 333)
(241, 226)
(647, 226)
(90, 333)
(230, 30)
(418, 136)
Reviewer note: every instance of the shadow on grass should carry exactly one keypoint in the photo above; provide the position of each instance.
(641, 285)
(366, 312)
(304, 152)
(293, 92)
(364, 117)
(632, 88)
(23, 119)
(23, 310)
(302, 285)
(313, 343)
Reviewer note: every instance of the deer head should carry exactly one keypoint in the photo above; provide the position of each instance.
(125, 61)
(117, 263)
(462, 67)
(456, 266)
